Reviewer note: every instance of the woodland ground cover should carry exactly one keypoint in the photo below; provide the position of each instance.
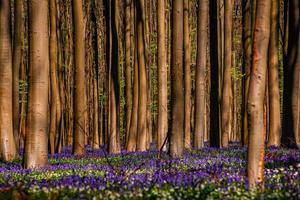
(206, 174)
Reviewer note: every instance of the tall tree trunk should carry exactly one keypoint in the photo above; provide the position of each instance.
(214, 72)
(128, 94)
(292, 79)
(226, 91)
(80, 94)
(177, 95)
(257, 94)
(55, 113)
(17, 62)
(162, 76)
(187, 76)
(7, 141)
(275, 123)
(36, 142)
(200, 74)
(142, 105)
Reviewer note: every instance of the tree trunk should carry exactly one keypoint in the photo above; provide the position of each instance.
(177, 95)
(226, 91)
(80, 94)
(275, 123)
(7, 142)
(292, 79)
(162, 76)
(257, 94)
(36, 142)
(17, 62)
(200, 74)
(142, 105)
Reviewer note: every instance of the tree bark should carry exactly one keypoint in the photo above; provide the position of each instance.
(36, 142)
(80, 94)
(7, 142)
(177, 95)
(274, 98)
(257, 94)
(162, 76)
(226, 91)
(200, 74)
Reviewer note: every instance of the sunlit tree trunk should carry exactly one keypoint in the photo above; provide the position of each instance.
(17, 62)
(36, 142)
(162, 76)
(142, 105)
(200, 74)
(226, 91)
(7, 141)
(79, 101)
(291, 115)
(177, 95)
(274, 98)
(256, 96)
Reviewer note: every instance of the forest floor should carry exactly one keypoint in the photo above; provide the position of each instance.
(206, 174)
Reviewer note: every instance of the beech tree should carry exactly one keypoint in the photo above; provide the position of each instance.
(257, 87)
(36, 139)
(177, 95)
(7, 141)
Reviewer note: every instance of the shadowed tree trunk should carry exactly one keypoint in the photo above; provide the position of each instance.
(187, 76)
(200, 74)
(36, 142)
(7, 141)
(17, 62)
(142, 105)
(274, 98)
(292, 79)
(162, 76)
(177, 95)
(226, 91)
(55, 112)
(79, 101)
(256, 96)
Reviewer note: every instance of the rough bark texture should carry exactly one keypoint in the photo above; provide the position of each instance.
(226, 90)
(187, 76)
(36, 142)
(17, 62)
(177, 95)
(292, 79)
(162, 124)
(200, 74)
(142, 105)
(274, 93)
(256, 97)
(80, 94)
(7, 141)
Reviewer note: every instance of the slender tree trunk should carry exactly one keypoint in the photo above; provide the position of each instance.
(55, 99)
(36, 142)
(257, 94)
(128, 94)
(187, 76)
(292, 79)
(17, 62)
(275, 123)
(162, 76)
(226, 91)
(142, 105)
(80, 94)
(7, 141)
(177, 95)
(200, 74)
